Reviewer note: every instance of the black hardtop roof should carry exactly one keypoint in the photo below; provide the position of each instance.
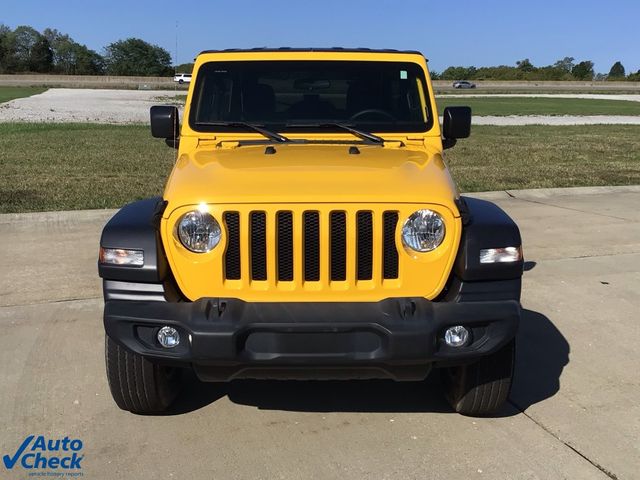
(332, 49)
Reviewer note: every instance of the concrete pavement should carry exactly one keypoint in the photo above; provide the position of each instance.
(574, 410)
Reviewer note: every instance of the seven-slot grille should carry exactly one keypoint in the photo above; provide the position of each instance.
(349, 243)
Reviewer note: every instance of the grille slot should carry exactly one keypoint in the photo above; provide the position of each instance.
(284, 238)
(338, 246)
(232, 254)
(258, 232)
(364, 245)
(389, 250)
(311, 233)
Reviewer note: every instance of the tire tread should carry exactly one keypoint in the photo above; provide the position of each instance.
(136, 384)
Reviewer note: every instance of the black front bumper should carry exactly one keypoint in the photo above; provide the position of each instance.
(399, 338)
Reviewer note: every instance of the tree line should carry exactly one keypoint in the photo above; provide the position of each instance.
(564, 69)
(25, 50)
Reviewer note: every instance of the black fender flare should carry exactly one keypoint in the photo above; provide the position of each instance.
(136, 226)
(485, 225)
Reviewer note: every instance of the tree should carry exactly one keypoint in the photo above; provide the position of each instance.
(459, 73)
(137, 57)
(72, 58)
(41, 57)
(6, 49)
(583, 70)
(525, 65)
(617, 72)
(24, 39)
(634, 77)
(86, 61)
(565, 64)
(184, 68)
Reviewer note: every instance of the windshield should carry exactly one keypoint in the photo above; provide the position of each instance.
(308, 95)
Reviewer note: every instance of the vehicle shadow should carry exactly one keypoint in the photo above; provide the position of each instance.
(541, 354)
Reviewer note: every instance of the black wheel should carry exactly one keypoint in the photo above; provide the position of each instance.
(138, 385)
(181, 81)
(481, 388)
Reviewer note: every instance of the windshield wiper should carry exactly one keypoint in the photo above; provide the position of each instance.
(276, 137)
(354, 131)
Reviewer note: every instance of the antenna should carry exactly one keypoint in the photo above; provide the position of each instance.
(175, 57)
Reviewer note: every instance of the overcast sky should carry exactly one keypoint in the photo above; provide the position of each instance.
(480, 33)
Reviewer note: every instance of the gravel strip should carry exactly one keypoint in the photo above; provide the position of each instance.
(85, 105)
(132, 106)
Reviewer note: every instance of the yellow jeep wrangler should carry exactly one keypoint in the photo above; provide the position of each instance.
(310, 229)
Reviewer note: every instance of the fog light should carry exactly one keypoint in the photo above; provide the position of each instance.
(168, 337)
(456, 336)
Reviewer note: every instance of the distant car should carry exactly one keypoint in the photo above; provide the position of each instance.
(182, 78)
(463, 84)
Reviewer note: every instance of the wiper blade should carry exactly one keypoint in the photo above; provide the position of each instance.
(276, 137)
(354, 131)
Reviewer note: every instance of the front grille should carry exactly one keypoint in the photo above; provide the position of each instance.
(364, 245)
(311, 241)
(284, 237)
(258, 235)
(232, 254)
(338, 246)
(390, 263)
(311, 246)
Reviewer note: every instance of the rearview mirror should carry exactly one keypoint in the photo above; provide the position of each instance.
(165, 123)
(456, 123)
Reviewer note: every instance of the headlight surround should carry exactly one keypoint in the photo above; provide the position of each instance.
(198, 231)
(423, 231)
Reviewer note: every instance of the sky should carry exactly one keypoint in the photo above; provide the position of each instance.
(460, 32)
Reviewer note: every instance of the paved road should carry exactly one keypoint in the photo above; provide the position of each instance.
(574, 410)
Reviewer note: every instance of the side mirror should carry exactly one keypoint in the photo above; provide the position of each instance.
(456, 123)
(165, 123)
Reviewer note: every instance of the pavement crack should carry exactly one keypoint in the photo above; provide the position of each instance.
(44, 302)
(571, 209)
(608, 473)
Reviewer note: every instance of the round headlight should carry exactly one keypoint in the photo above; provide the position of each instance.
(199, 231)
(423, 231)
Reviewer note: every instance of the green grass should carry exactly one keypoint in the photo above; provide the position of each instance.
(11, 93)
(73, 166)
(541, 106)
(501, 158)
(171, 100)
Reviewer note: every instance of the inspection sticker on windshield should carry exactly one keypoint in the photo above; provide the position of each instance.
(403, 74)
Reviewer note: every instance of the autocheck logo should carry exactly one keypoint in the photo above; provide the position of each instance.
(39, 453)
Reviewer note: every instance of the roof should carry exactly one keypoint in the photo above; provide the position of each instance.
(332, 49)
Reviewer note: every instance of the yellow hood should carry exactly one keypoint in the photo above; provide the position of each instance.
(310, 173)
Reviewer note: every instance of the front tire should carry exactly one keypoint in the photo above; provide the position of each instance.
(136, 384)
(481, 388)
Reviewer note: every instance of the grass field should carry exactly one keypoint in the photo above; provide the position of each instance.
(72, 166)
(541, 106)
(11, 93)
(540, 156)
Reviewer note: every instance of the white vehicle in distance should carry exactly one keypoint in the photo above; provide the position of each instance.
(182, 78)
